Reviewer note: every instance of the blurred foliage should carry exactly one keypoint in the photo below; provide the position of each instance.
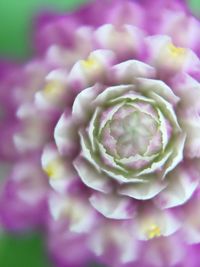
(25, 250)
(195, 7)
(15, 23)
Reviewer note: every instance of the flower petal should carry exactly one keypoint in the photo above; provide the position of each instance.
(177, 153)
(60, 172)
(113, 206)
(109, 37)
(65, 135)
(87, 72)
(55, 92)
(188, 90)
(127, 71)
(168, 57)
(82, 107)
(112, 92)
(152, 223)
(191, 124)
(191, 219)
(78, 213)
(148, 86)
(90, 176)
(143, 191)
(183, 181)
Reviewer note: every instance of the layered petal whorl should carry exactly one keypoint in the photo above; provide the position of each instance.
(129, 134)
(124, 148)
(108, 135)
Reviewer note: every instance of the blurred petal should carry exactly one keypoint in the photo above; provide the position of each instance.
(65, 134)
(113, 206)
(183, 181)
(91, 177)
(143, 191)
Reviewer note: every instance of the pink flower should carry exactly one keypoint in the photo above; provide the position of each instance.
(24, 185)
(114, 119)
(161, 16)
(23, 198)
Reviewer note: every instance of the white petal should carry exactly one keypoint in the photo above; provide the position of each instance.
(78, 214)
(82, 217)
(109, 159)
(156, 165)
(127, 71)
(87, 72)
(65, 135)
(165, 55)
(188, 89)
(123, 179)
(191, 125)
(86, 150)
(60, 172)
(55, 91)
(105, 57)
(182, 183)
(82, 104)
(163, 129)
(112, 92)
(167, 109)
(148, 86)
(118, 235)
(177, 153)
(191, 221)
(41, 101)
(57, 204)
(143, 191)
(133, 95)
(109, 37)
(113, 206)
(152, 223)
(90, 176)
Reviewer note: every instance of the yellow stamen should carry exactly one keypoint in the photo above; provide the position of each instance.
(176, 51)
(53, 169)
(52, 88)
(153, 231)
(90, 63)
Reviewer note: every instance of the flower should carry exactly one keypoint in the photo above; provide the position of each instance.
(24, 185)
(160, 16)
(23, 196)
(8, 103)
(127, 132)
(114, 120)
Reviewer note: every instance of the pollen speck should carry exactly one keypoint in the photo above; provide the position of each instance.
(153, 231)
(176, 51)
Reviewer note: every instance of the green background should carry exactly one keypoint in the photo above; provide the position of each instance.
(28, 250)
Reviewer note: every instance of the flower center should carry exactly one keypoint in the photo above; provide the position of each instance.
(90, 63)
(176, 51)
(132, 129)
(153, 231)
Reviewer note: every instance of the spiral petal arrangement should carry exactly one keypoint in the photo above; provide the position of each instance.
(109, 132)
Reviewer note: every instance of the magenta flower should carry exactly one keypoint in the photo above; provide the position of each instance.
(8, 103)
(130, 140)
(23, 192)
(161, 16)
(114, 118)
